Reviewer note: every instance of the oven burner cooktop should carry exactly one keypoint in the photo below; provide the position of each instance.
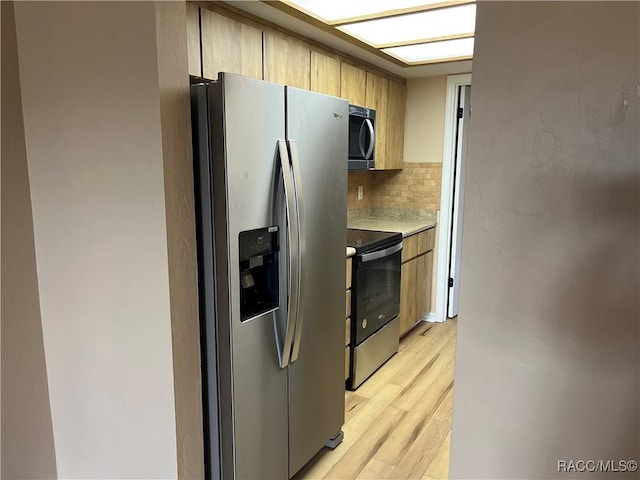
(366, 240)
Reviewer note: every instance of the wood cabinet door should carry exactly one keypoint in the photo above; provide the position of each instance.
(377, 98)
(395, 125)
(353, 84)
(287, 60)
(325, 74)
(424, 275)
(229, 46)
(408, 314)
(193, 40)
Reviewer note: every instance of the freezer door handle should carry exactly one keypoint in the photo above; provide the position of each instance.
(284, 345)
(302, 246)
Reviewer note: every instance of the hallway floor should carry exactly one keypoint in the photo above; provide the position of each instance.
(398, 423)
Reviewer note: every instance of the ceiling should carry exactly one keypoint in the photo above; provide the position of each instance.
(403, 40)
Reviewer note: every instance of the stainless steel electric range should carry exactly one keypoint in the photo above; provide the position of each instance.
(375, 301)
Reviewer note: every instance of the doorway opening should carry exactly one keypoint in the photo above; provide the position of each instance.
(457, 116)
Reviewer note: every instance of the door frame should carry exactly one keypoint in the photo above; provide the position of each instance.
(446, 197)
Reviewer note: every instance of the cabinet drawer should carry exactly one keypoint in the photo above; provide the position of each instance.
(347, 332)
(409, 247)
(348, 273)
(426, 240)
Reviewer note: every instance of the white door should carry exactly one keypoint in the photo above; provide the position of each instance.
(462, 129)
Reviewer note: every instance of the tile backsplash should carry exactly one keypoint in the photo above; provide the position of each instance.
(416, 187)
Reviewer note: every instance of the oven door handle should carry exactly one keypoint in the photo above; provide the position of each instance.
(369, 257)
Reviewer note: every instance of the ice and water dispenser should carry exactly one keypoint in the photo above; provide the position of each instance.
(258, 271)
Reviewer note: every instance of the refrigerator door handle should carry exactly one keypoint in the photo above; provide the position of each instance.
(284, 347)
(302, 246)
(372, 139)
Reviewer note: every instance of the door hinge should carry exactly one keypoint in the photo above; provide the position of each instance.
(450, 282)
(460, 112)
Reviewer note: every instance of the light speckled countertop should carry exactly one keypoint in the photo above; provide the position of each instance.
(405, 226)
(351, 252)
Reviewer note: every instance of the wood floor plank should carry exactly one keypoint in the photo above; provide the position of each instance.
(384, 374)
(398, 422)
(419, 333)
(439, 467)
(361, 453)
(412, 425)
(324, 461)
(353, 404)
(375, 470)
(413, 343)
(405, 375)
(423, 380)
(422, 451)
(445, 410)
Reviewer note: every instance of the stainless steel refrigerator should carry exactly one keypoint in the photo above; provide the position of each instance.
(271, 171)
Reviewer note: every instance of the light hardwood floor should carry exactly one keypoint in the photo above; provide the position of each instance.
(398, 423)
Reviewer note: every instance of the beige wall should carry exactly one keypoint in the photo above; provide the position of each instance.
(104, 91)
(547, 364)
(27, 435)
(424, 119)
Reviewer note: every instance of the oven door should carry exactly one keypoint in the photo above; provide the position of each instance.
(377, 290)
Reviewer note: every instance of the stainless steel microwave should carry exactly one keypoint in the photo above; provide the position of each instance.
(362, 138)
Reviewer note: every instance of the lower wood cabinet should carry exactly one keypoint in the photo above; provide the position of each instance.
(408, 296)
(417, 272)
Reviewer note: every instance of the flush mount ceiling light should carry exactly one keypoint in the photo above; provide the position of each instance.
(416, 27)
(435, 52)
(341, 11)
(413, 32)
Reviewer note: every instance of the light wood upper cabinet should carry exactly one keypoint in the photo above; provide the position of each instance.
(193, 40)
(397, 100)
(377, 98)
(353, 84)
(287, 60)
(229, 46)
(325, 74)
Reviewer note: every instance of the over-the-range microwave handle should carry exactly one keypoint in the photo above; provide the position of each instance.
(361, 140)
(372, 136)
(302, 246)
(284, 345)
(369, 257)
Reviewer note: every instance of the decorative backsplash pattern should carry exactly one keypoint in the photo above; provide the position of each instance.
(417, 186)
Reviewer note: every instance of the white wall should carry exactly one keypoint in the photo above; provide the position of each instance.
(92, 120)
(547, 363)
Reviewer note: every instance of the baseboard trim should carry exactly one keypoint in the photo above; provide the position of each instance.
(431, 317)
